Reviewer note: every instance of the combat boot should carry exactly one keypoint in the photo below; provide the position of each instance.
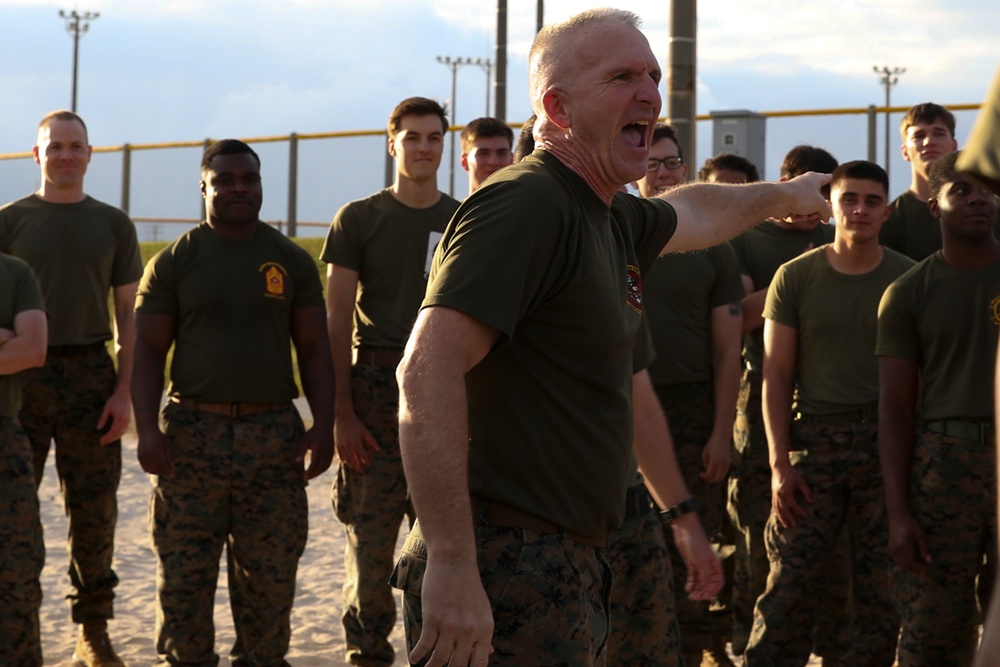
(717, 655)
(93, 648)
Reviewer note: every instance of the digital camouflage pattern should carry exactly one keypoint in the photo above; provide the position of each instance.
(371, 506)
(840, 464)
(22, 551)
(63, 400)
(749, 507)
(953, 498)
(691, 418)
(237, 484)
(549, 594)
(644, 628)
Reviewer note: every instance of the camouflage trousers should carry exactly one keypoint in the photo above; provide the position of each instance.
(691, 417)
(953, 497)
(371, 505)
(550, 596)
(22, 551)
(644, 627)
(237, 484)
(63, 401)
(749, 507)
(840, 464)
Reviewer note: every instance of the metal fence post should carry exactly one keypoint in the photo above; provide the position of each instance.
(872, 131)
(293, 189)
(126, 176)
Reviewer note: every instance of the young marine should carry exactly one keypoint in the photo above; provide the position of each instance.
(486, 147)
(824, 463)
(233, 296)
(937, 337)
(378, 253)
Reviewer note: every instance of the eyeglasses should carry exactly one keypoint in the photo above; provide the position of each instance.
(671, 163)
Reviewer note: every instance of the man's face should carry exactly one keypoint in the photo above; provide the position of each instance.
(926, 142)
(63, 153)
(417, 147)
(663, 169)
(232, 189)
(966, 209)
(485, 156)
(860, 206)
(610, 104)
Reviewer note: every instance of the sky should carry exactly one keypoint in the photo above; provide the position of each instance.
(184, 70)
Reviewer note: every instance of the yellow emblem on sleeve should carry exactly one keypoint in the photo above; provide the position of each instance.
(995, 310)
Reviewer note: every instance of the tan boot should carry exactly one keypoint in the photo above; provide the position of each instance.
(93, 648)
(717, 656)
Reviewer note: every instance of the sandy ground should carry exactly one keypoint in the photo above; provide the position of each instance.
(316, 631)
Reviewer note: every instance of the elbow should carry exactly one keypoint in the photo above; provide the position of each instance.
(37, 357)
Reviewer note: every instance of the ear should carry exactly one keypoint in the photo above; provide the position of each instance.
(391, 146)
(465, 161)
(554, 104)
(202, 187)
(902, 150)
(934, 207)
(34, 152)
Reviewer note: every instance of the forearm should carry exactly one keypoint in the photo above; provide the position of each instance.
(318, 384)
(147, 387)
(124, 298)
(896, 432)
(433, 438)
(777, 405)
(752, 306)
(20, 353)
(726, 389)
(654, 447)
(339, 328)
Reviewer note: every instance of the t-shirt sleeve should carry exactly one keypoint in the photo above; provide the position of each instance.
(127, 267)
(653, 223)
(27, 291)
(158, 286)
(728, 287)
(503, 253)
(343, 245)
(897, 330)
(780, 304)
(308, 286)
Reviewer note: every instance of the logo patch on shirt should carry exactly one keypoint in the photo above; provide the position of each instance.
(995, 310)
(633, 288)
(274, 279)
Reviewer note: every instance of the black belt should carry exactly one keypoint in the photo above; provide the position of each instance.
(637, 502)
(869, 414)
(973, 431)
(74, 350)
(496, 513)
(378, 356)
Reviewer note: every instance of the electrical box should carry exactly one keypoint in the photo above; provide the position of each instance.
(740, 132)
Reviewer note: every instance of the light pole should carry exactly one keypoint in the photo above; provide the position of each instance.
(888, 78)
(453, 64)
(76, 25)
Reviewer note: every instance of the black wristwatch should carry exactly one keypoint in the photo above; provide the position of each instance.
(692, 504)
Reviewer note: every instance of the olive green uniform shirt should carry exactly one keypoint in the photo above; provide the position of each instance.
(233, 301)
(835, 320)
(78, 252)
(945, 319)
(911, 229)
(537, 256)
(19, 292)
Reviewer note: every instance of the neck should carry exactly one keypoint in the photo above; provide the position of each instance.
(234, 230)
(72, 195)
(416, 193)
(920, 187)
(970, 254)
(852, 258)
(576, 158)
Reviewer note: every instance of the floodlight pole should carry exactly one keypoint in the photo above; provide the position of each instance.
(453, 64)
(76, 25)
(888, 78)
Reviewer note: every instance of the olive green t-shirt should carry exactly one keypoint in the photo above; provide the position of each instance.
(78, 252)
(945, 319)
(233, 301)
(912, 230)
(679, 294)
(760, 251)
(390, 245)
(835, 318)
(537, 256)
(19, 292)
(643, 355)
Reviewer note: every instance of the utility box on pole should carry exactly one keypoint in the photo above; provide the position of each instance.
(742, 133)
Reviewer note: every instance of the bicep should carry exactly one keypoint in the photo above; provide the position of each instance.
(898, 380)
(33, 327)
(442, 335)
(727, 325)
(341, 289)
(124, 298)
(780, 350)
(308, 330)
(155, 332)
